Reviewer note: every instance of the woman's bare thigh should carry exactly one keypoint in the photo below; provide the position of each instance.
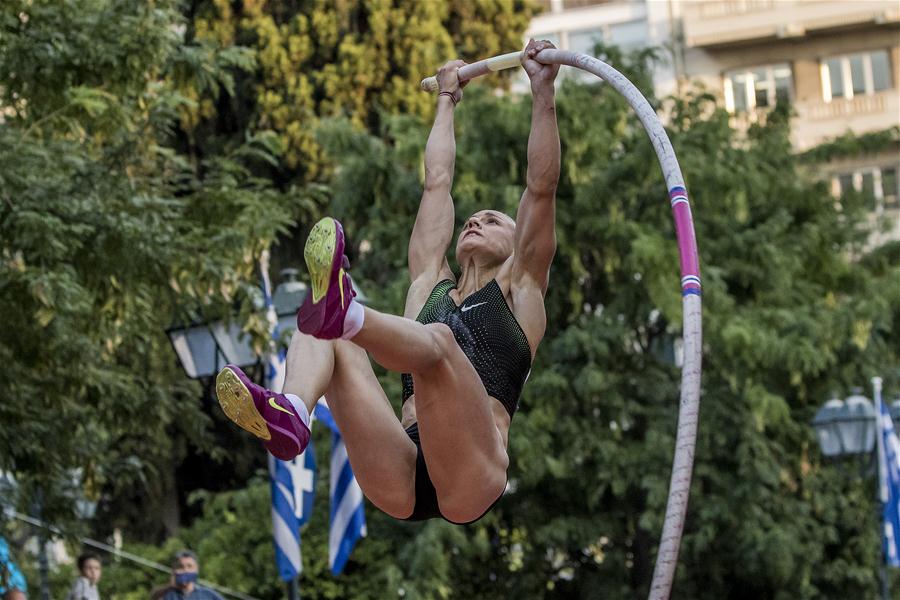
(381, 454)
(463, 447)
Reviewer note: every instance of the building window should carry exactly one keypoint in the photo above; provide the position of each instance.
(855, 75)
(890, 188)
(553, 38)
(757, 88)
(570, 4)
(545, 6)
(878, 183)
(585, 40)
(629, 35)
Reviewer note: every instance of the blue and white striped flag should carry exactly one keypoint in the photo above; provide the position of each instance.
(348, 519)
(292, 482)
(889, 477)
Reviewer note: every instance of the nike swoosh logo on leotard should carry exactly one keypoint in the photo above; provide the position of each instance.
(467, 308)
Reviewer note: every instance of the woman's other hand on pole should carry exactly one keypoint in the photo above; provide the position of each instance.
(541, 75)
(448, 80)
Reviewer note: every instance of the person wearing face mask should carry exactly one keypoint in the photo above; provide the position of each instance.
(183, 585)
(85, 587)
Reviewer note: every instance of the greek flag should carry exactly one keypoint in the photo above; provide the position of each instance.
(292, 482)
(348, 520)
(889, 477)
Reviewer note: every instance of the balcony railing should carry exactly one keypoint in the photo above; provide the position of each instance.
(843, 107)
(548, 6)
(722, 8)
(725, 22)
(818, 120)
(570, 4)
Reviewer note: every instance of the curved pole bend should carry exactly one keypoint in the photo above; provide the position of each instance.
(686, 437)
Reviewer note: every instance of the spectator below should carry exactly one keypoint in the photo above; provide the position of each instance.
(89, 571)
(183, 585)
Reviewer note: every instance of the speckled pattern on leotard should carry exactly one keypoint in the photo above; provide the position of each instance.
(488, 334)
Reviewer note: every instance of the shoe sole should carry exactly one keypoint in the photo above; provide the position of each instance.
(237, 402)
(319, 256)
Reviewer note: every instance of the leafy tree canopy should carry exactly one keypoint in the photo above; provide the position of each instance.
(139, 181)
(789, 315)
(339, 59)
(108, 235)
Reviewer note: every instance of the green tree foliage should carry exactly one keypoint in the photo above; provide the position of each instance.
(789, 315)
(849, 145)
(347, 58)
(230, 520)
(107, 235)
(137, 184)
(233, 540)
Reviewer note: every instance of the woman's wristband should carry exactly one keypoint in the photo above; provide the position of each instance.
(449, 95)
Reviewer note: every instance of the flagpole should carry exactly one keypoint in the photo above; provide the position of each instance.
(287, 505)
(882, 482)
(294, 584)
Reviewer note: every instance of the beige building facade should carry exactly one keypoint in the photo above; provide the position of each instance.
(836, 61)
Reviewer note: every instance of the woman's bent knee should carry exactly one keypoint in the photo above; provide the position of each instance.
(396, 497)
(467, 505)
(398, 507)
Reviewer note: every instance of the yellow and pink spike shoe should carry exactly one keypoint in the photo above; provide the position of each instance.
(265, 414)
(324, 311)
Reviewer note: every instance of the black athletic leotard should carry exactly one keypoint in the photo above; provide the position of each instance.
(489, 335)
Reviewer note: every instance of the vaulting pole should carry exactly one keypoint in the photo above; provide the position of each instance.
(686, 437)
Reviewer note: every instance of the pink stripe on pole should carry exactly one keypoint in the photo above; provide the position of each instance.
(684, 231)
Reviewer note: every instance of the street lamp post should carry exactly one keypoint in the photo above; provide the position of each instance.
(849, 428)
(204, 348)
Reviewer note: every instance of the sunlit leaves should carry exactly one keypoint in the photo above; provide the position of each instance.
(110, 234)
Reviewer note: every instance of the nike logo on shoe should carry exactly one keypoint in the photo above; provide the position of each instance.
(468, 308)
(277, 406)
